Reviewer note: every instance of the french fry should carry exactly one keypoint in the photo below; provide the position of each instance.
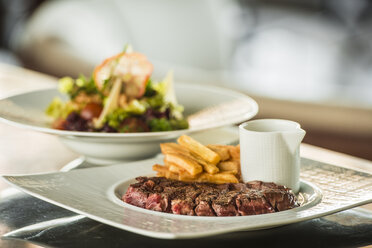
(163, 171)
(229, 166)
(172, 148)
(221, 150)
(184, 176)
(175, 169)
(160, 168)
(226, 176)
(185, 162)
(218, 178)
(181, 175)
(193, 162)
(167, 148)
(234, 152)
(233, 172)
(208, 167)
(172, 175)
(195, 147)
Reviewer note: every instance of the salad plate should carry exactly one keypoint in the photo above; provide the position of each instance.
(206, 107)
(96, 192)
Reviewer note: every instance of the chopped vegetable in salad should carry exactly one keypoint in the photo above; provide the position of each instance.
(119, 97)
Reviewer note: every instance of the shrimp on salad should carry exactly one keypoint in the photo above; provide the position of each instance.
(119, 97)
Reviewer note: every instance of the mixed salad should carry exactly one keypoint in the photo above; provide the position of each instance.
(120, 97)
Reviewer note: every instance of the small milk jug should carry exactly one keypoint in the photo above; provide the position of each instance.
(269, 151)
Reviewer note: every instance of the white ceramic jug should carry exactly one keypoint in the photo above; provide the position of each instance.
(269, 151)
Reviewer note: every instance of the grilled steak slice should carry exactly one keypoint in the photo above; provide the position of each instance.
(204, 202)
(136, 196)
(161, 201)
(138, 193)
(280, 199)
(205, 199)
(183, 201)
(238, 186)
(157, 202)
(184, 207)
(224, 204)
(204, 209)
(252, 202)
(259, 185)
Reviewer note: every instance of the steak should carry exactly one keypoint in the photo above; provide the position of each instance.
(183, 201)
(204, 202)
(224, 204)
(253, 202)
(206, 199)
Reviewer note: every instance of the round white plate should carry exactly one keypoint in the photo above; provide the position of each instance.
(222, 107)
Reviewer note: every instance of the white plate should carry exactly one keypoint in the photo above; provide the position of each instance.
(27, 111)
(96, 194)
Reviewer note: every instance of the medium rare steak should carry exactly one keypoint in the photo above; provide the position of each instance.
(205, 199)
(224, 204)
(253, 202)
(183, 202)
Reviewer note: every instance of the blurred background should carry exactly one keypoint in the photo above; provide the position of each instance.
(309, 61)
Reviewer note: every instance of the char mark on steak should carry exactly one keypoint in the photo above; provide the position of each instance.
(205, 199)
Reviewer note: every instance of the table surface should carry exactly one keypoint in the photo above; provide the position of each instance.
(24, 151)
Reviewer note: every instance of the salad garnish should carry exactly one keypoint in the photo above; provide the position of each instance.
(120, 96)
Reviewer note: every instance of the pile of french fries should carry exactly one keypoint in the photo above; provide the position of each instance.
(191, 161)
